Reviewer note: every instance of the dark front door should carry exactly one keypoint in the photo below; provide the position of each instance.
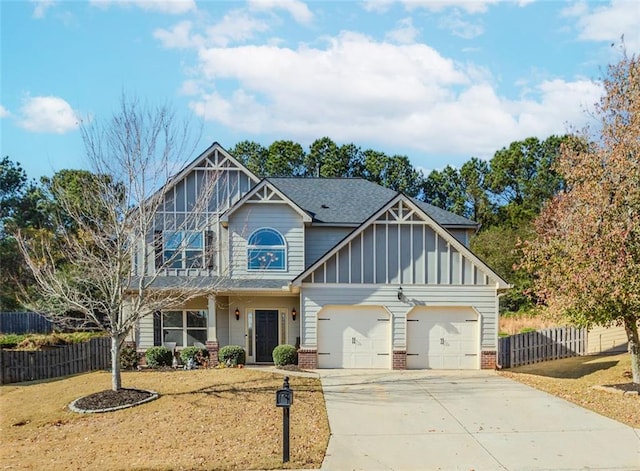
(266, 335)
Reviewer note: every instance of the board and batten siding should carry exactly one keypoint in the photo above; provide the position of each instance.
(253, 216)
(482, 299)
(402, 253)
(319, 240)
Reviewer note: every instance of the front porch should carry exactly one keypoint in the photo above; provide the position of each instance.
(256, 321)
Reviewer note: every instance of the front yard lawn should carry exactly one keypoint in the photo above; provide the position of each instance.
(219, 419)
(573, 379)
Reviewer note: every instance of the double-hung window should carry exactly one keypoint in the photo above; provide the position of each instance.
(183, 249)
(266, 250)
(184, 327)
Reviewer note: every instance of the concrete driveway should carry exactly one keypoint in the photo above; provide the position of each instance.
(428, 420)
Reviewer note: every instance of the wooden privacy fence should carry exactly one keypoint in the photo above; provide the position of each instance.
(24, 323)
(542, 345)
(22, 365)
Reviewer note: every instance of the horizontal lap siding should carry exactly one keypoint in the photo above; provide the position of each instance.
(482, 299)
(277, 216)
(145, 332)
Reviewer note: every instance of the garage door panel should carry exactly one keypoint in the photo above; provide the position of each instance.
(442, 339)
(353, 337)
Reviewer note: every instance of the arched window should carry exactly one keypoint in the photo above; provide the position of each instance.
(266, 250)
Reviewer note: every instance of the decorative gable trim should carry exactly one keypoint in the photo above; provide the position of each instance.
(215, 157)
(400, 243)
(265, 192)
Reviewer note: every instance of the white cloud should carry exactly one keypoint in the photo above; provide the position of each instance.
(359, 90)
(404, 33)
(178, 36)
(377, 6)
(41, 7)
(4, 113)
(468, 6)
(48, 114)
(459, 27)
(297, 9)
(235, 26)
(598, 22)
(172, 7)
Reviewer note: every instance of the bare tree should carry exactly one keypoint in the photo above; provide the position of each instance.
(103, 263)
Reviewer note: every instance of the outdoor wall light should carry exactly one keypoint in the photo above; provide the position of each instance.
(237, 314)
(400, 293)
(294, 313)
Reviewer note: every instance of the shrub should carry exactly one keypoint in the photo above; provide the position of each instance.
(158, 356)
(285, 355)
(199, 355)
(11, 340)
(526, 330)
(128, 358)
(233, 354)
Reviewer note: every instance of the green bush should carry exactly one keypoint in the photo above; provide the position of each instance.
(200, 355)
(526, 330)
(232, 354)
(285, 355)
(129, 358)
(11, 340)
(158, 356)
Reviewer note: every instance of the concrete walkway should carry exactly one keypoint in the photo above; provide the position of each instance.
(428, 420)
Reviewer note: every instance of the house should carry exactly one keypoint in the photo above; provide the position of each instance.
(354, 274)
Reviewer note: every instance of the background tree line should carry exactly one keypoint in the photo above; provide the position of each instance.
(503, 194)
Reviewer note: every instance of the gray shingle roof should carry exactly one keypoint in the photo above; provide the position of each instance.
(350, 200)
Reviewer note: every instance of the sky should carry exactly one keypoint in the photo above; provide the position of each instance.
(437, 81)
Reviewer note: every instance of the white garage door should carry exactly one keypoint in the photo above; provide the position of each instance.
(354, 337)
(444, 338)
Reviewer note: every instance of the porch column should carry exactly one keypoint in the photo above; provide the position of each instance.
(212, 330)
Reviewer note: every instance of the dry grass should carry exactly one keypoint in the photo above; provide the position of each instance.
(572, 379)
(205, 419)
(515, 323)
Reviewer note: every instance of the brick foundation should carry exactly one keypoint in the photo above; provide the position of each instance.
(488, 360)
(307, 359)
(399, 360)
(212, 348)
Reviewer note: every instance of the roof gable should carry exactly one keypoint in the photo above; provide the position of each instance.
(400, 243)
(265, 192)
(350, 201)
(215, 157)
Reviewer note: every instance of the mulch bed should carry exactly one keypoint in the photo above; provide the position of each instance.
(110, 399)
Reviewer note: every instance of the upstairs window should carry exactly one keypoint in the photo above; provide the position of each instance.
(266, 250)
(183, 249)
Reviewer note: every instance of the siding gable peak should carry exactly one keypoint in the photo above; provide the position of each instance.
(402, 244)
(265, 192)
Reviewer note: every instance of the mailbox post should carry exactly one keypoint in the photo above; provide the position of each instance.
(284, 399)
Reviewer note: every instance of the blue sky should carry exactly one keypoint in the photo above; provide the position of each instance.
(438, 81)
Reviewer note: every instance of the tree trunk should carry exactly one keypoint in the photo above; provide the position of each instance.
(116, 380)
(631, 326)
